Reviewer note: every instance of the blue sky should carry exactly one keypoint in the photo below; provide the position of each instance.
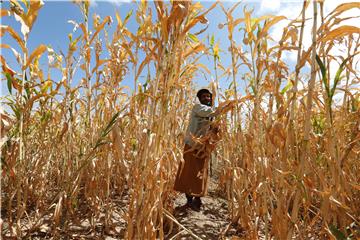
(52, 29)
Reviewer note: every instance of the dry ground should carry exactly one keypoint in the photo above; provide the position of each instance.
(208, 223)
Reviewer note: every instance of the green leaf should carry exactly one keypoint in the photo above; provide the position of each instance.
(101, 142)
(16, 111)
(354, 104)
(146, 84)
(45, 117)
(193, 37)
(337, 233)
(27, 90)
(324, 74)
(212, 41)
(9, 82)
(232, 82)
(127, 17)
(106, 130)
(286, 88)
(253, 21)
(253, 90)
(338, 76)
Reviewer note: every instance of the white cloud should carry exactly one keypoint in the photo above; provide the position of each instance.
(267, 5)
(292, 9)
(93, 3)
(117, 3)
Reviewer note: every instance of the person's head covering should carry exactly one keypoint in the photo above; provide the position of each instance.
(202, 91)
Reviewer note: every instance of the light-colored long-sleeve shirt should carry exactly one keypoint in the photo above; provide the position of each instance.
(199, 123)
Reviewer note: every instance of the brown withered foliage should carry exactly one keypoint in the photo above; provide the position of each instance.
(287, 154)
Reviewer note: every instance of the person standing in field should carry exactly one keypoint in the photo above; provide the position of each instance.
(191, 177)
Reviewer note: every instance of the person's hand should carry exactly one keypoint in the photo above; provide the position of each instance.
(228, 106)
(225, 106)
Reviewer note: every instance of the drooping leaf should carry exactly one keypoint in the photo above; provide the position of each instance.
(271, 23)
(14, 35)
(35, 54)
(237, 21)
(344, 7)
(195, 49)
(340, 32)
(201, 18)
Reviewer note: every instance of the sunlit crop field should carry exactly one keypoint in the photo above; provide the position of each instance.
(86, 146)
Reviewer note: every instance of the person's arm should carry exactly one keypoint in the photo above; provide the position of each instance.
(204, 111)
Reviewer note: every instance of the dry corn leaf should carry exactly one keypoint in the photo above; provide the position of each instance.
(98, 64)
(231, 10)
(283, 172)
(237, 21)
(32, 13)
(201, 18)
(4, 12)
(338, 203)
(3, 45)
(340, 32)
(100, 27)
(271, 23)
(164, 28)
(344, 7)
(142, 65)
(247, 21)
(35, 54)
(14, 35)
(177, 14)
(57, 212)
(304, 57)
(5, 67)
(29, 103)
(204, 67)
(195, 49)
(140, 168)
(83, 28)
(356, 186)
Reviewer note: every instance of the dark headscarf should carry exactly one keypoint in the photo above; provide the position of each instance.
(202, 91)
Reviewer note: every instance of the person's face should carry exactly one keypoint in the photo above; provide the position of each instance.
(205, 99)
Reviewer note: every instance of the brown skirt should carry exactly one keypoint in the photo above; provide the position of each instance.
(191, 177)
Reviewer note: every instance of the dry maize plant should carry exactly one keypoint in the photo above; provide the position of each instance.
(75, 149)
(288, 176)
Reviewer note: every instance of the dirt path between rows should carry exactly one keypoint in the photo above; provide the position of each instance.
(208, 223)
